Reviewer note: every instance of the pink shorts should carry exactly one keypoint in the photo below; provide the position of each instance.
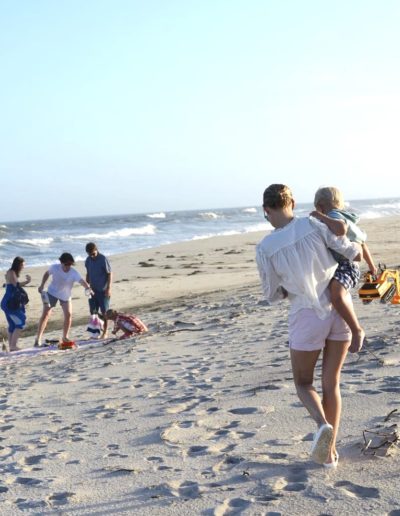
(307, 332)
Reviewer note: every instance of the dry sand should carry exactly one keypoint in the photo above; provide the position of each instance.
(200, 416)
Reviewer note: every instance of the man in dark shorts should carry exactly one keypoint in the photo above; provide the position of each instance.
(99, 277)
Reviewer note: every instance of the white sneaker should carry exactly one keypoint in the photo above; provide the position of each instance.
(322, 443)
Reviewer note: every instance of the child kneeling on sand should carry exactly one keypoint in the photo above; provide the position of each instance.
(329, 204)
(129, 324)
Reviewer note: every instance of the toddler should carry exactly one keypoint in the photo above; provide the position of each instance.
(130, 325)
(330, 210)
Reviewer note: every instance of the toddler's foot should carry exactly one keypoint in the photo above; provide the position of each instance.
(357, 341)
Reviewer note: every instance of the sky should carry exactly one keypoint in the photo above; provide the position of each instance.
(126, 106)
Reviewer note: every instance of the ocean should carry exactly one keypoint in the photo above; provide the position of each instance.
(40, 242)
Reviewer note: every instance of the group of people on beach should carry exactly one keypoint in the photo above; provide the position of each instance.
(312, 261)
(97, 285)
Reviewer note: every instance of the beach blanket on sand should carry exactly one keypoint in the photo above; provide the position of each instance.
(53, 348)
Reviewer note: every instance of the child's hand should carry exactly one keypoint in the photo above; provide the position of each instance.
(373, 271)
(316, 214)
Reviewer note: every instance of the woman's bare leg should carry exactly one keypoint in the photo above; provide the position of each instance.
(14, 339)
(332, 361)
(303, 365)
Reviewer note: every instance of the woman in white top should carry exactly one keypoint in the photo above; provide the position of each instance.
(294, 262)
(63, 278)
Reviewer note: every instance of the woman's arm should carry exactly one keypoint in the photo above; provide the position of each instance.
(271, 282)
(24, 283)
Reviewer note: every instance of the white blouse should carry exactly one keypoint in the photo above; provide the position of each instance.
(296, 257)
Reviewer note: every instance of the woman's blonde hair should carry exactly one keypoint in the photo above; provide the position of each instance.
(277, 196)
(329, 197)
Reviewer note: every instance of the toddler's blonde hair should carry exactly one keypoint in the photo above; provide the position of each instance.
(329, 197)
(277, 196)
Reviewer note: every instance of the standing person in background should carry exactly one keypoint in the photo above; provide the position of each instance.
(16, 317)
(294, 261)
(63, 279)
(99, 277)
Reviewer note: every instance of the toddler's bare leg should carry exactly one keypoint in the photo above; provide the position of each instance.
(346, 311)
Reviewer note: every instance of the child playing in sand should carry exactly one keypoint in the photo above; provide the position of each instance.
(129, 324)
(329, 204)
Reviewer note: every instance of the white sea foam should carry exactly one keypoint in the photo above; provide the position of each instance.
(149, 229)
(160, 215)
(261, 226)
(249, 210)
(36, 242)
(390, 205)
(209, 215)
(373, 214)
(210, 235)
(4, 241)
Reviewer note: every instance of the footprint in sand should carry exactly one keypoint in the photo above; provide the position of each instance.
(229, 462)
(34, 459)
(244, 411)
(175, 489)
(355, 490)
(24, 504)
(60, 498)
(26, 481)
(232, 506)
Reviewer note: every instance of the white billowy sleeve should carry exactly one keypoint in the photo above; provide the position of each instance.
(341, 244)
(270, 281)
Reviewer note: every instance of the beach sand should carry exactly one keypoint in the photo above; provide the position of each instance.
(199, 416)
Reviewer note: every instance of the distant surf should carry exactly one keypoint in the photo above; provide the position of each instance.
(41, 242)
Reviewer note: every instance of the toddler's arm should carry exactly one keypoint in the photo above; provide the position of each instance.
(369, 260)
(338, 227)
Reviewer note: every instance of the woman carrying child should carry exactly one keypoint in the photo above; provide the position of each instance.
(294, 262)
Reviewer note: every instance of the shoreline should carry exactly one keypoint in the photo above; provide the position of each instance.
(173, 273)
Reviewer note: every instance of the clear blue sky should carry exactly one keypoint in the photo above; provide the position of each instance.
(123, 106)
